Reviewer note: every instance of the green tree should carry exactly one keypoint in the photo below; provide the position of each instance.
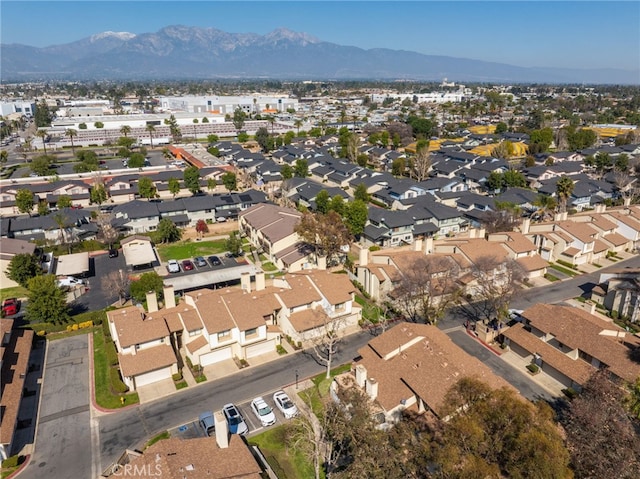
(301, 168)
(356, 217)
(213, 138)
(136, 160)
(43, 115)
(239, 118)
(338, 205)
(234, 244)
(126, 142)
(322, 202)
(147, 282)
(514, 179)
(501, 128)
(191, 178)
(46, 301)
(98, 194)
(146, 187)
(23, 267)
(495, 181)
(286, 172)
(43, 135)
(262, 137)
(540, 140)
(98, 124)
(398, 167)
(545, 204)
(243, 136)
(211, 184)
(580, 139)
(167, 232)
(174, 186)
(4, 156)
(230, 181)
(25, 201)
(564, 189)
(64, 201)
(361, 193)
(41, 165)
(43, 208)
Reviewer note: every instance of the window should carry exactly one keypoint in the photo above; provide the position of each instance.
(340, 307)
(195, 332)
(251, 332)
(224, 335)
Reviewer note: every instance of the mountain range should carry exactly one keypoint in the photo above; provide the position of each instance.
(181, 52)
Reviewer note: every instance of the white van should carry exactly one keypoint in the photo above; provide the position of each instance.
(69, 281)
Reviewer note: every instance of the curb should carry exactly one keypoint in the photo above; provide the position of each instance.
(483, 343)
(22, 467)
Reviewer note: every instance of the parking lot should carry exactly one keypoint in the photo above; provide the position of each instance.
(193, 429)
(225, 262)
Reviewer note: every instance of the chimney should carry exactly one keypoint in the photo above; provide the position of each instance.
(526, 226)
(152, 302)
(481, 233)
(364, 256)
(322, 262)
(417, 244)
(245, 281)
(472, 233)
(169, 296)
(557, 217)
(372, 388)
(361, 375)
(222, 430)
(260, 281)
(428, 245)
(565, 215)
(593, 308)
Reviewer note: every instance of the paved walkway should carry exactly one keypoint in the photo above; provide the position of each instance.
(545, 381)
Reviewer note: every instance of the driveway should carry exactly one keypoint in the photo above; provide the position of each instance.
(98, 297)
(63, 440)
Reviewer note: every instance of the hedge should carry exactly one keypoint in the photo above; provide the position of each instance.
(13, 461)
(533, 368)
(116, 381)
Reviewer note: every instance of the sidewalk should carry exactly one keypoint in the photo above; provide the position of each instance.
(542, 379)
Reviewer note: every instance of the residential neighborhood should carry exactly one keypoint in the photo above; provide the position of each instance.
(365, 256)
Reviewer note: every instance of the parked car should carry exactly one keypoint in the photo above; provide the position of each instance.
(69, 281)
(113, 253)
(173, 266)
(207, 423)
(234, 419)
(214, 260)
(263, 412)
(10, 306)
(285, 404)
(187, 265)
(200, 261)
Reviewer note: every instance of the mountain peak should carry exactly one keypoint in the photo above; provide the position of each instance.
(286, 34)
(110, 34)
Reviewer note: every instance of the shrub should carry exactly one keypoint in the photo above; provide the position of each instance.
(533, 368)
(375, 247)
(116, 381)
(570, 392)
(112, 354)
(177, 376)
(280, 349)
(13, 461)
(201, 378)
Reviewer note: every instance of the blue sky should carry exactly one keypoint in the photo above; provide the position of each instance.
(573, 34)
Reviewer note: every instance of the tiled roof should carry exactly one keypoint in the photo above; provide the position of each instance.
(199, 342)
(308, 319)
(532, 263)
(421, 361)
(132, 327)
(336, 288)
(147, 360)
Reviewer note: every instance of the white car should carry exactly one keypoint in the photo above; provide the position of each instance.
(173, 266)
(69, 281)
(263, 412)
(285, 404)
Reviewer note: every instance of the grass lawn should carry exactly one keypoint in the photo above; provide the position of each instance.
(314, 395)
(370, 311)
(189, 249)
(268, 267)
(286, 463)
(15, 292)
(104, 397)
(562, 269)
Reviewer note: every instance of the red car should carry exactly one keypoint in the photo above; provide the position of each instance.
(10, 307)
(187, 265)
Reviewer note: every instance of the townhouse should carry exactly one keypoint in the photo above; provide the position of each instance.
(570, 344)
(618, 290)
(411, 367)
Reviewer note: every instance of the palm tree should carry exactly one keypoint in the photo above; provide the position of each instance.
(545, 203)
(298, 124)
(564, 188)
(125, 130)
(271, 119)
(151, 129)
(42, 134)
(323, 124)
(70, 132)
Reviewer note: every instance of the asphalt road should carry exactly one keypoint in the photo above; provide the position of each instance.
(63, 439)
(98, 297)
(132, 427)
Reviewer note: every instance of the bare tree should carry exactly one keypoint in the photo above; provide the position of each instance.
(495, 282)
(421, 164)
(106, 231)
(326, 233)
(428, 288)
(117, 281)
(325, 341)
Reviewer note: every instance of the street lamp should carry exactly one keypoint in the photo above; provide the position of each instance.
(296, 379)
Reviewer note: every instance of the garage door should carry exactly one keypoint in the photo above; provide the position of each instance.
(260, 348)
(153, 376)
(215, 356)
